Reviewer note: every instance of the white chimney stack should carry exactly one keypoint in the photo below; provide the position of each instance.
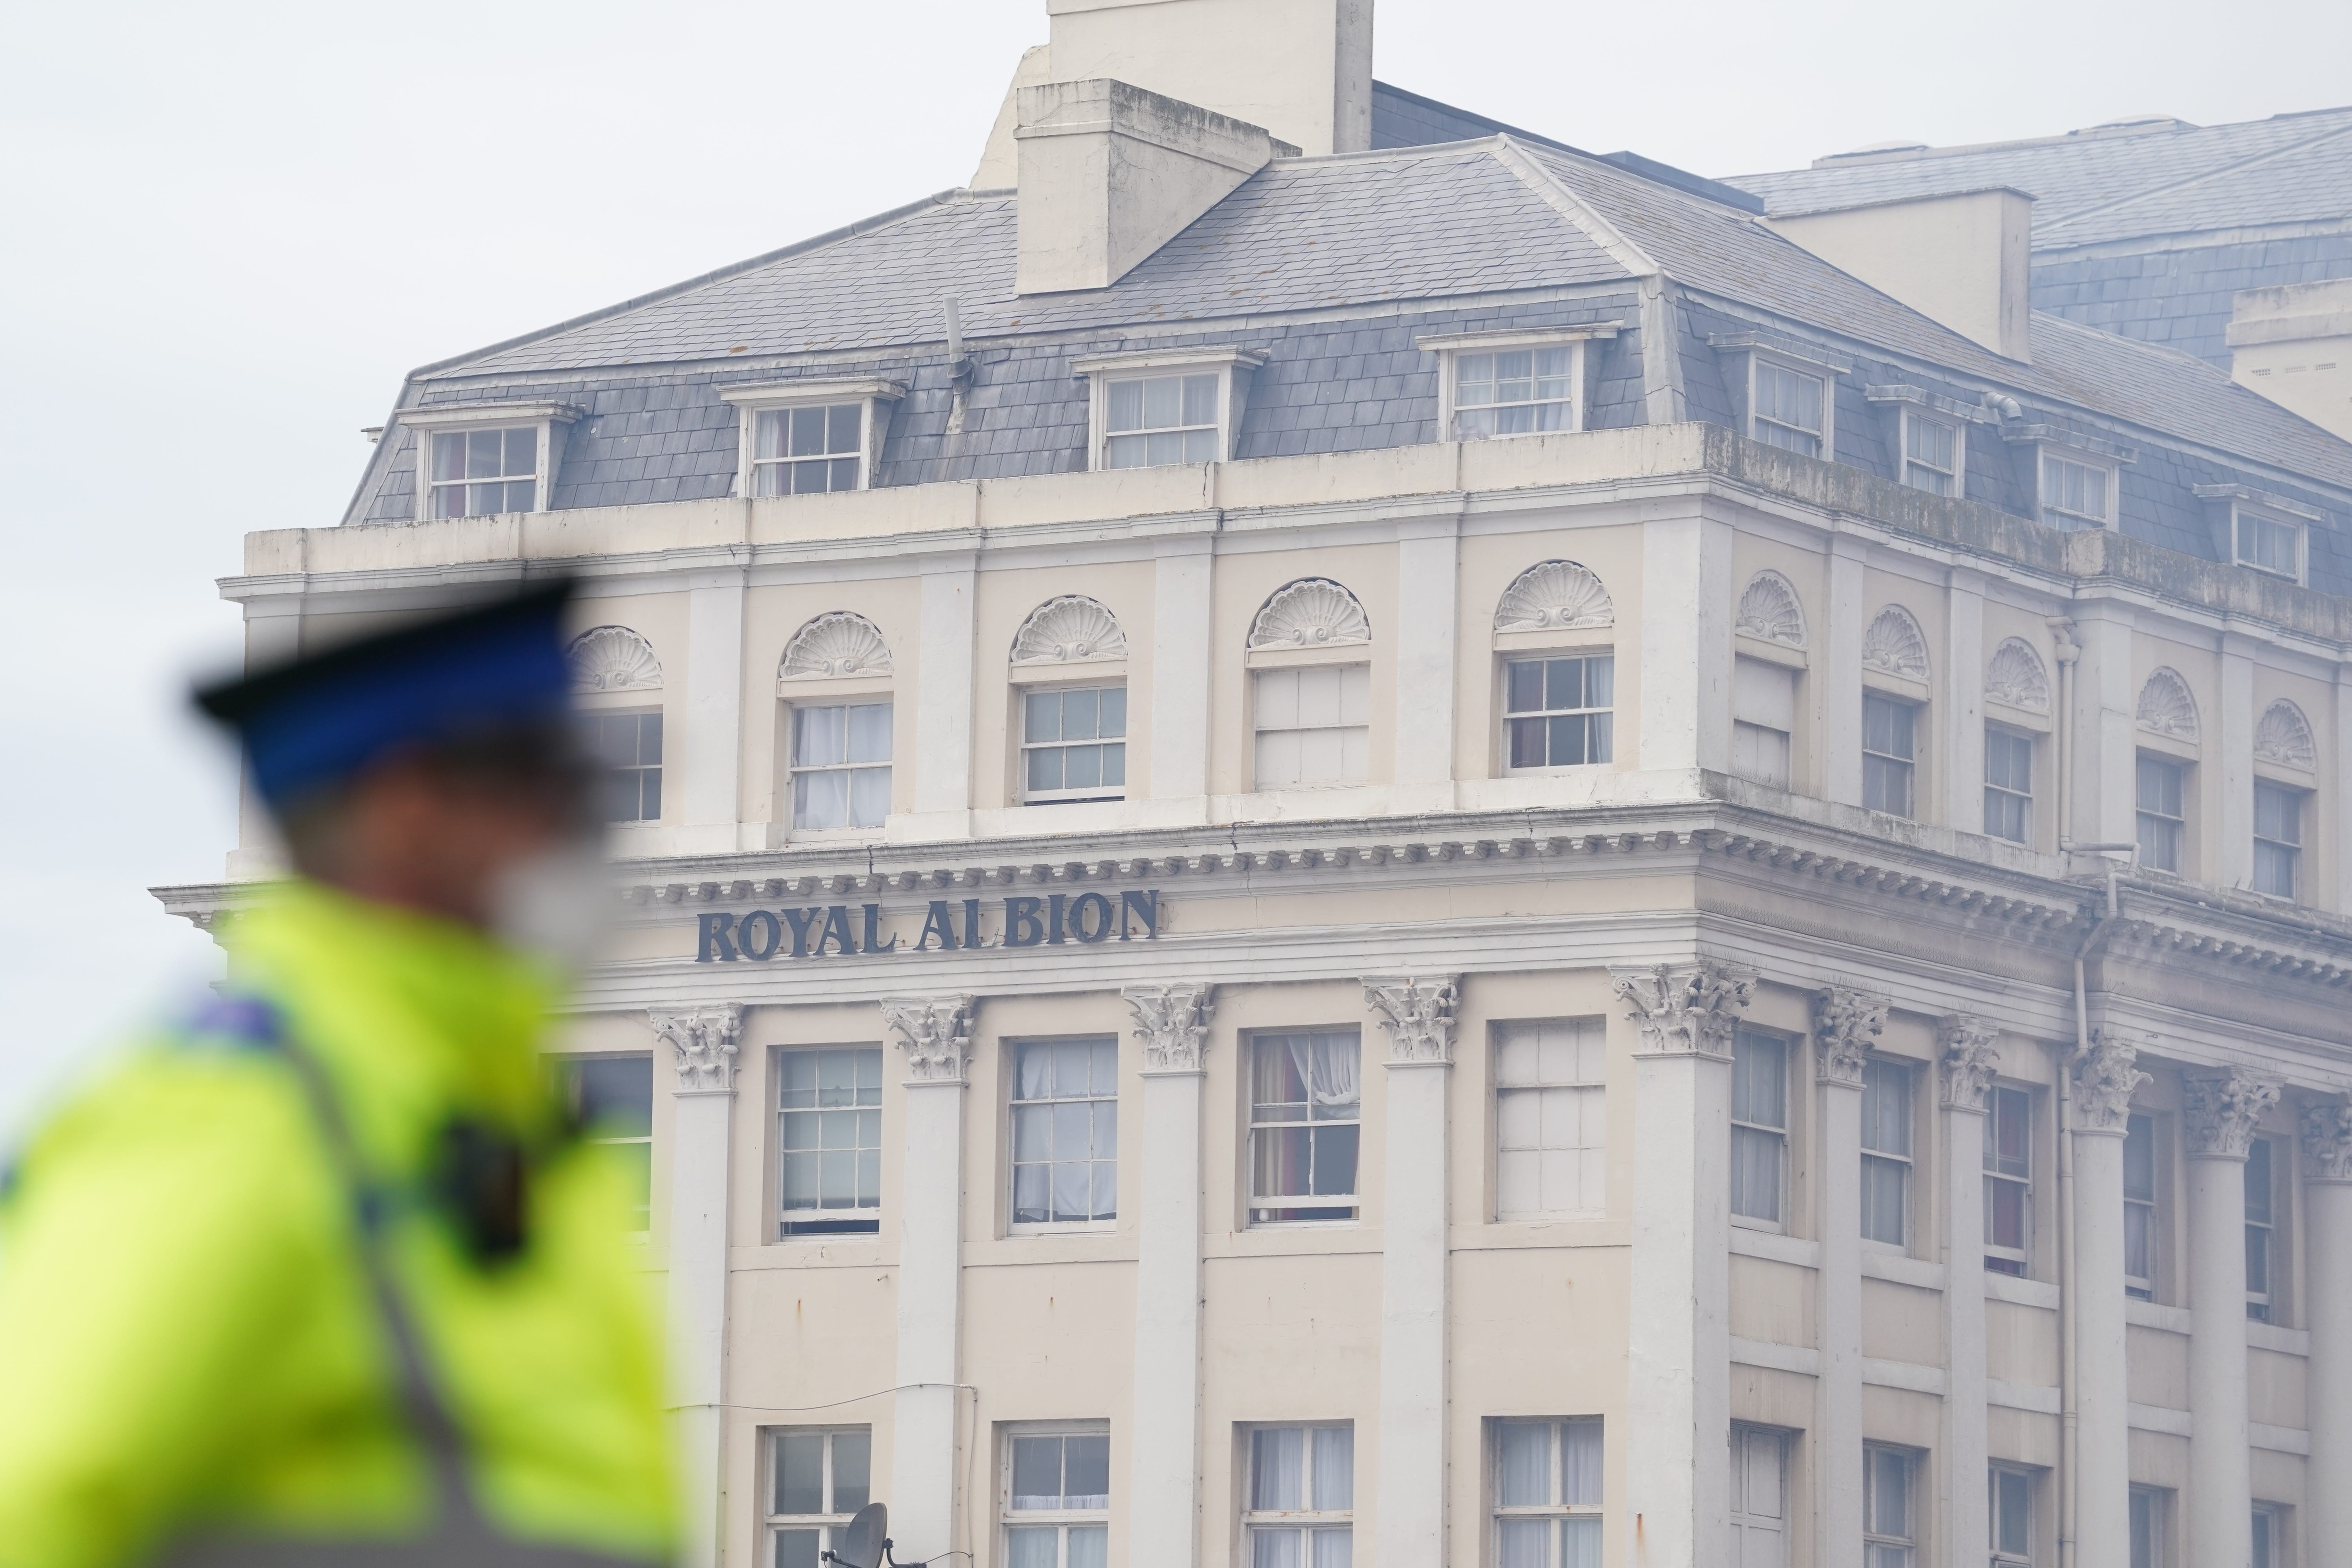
(2293, 345)
(1964, 259)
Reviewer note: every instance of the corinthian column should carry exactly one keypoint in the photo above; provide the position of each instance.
(703, 1043)
(1970, 1062)
(935, 1033)
(1845, 1022)
(1418, 1014)
(2219, 1113)
(2105, 1082)
(1171, 1023)
(1679, 1355)
(2327, 1242)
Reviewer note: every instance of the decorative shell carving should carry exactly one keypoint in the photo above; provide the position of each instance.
(1072, 629)
(2016, 676)
(1553, 596)
(1313, 612)
(837, 643)
(614, 658)
(1893, 644)
(1769, 609)
(2166, 707)
(2284, 736)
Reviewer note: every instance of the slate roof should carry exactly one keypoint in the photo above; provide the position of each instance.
(2095, 186)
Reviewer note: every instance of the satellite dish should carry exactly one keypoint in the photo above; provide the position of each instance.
(864, 1540)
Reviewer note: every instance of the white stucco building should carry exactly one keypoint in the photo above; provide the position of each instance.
(1344, 838)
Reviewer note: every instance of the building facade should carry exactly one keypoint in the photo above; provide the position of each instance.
(1431, 854)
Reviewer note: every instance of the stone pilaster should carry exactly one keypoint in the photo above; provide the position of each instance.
(2219, 1111)
(1171, 1024)
(1846, 1023)
(1418, 1014)
(1679, 1349)
(2104, 1080)
(934, 1034)
(703, 1043)
(1969, 1060)
(2327, 1142)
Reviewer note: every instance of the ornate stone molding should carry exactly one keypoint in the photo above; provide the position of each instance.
(1072, 629)
(936, 1033)
(1685, 1008)
(1418, 1014)
(613, 659)
(1172, 1022)
(836, 644)
(1845, 1022)
(1313, 612)
(1555, 595)
(703, 1043)
(2327, 1127)
(1894, 645)
(2282, 735)
(1971, 1060)
(2220, 1110)
(2105, 1082)
(2166, 707)
(2015, 676)
(1769, 609)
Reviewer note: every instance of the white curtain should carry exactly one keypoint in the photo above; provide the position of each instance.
(1326, 1066)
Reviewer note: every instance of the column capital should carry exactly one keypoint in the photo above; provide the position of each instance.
(2327, 1128)
(703, 1043)
(2220, 1110)
(2105, 1082)
(1685, 1009)
(1972, 1061)
(1417, 1011)
(1845, 1022)
(936, 1033)
(1172, 1022)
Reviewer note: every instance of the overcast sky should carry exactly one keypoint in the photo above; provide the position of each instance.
(230, 227)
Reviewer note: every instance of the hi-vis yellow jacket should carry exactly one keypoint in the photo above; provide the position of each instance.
(190, 1344)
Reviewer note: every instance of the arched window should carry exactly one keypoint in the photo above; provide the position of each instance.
(1073, 737)
(629, 740)
(840, 737)
(1310, 693)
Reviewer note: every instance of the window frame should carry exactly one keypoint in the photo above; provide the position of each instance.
(2143, 817)
(2266, 1535)
(1880, 1546)
(1779, 1135)
(2000, 1258)
(1958, 475)
(2111, 473)
(806, 700)
(2010, 735)
(1013, 1223)
(1022, 692)
(1304, 1520)
(1583, 363)
(1256, 675)
(1060, 1520)
(551, 421)
(1506, 657)
(826, 1524)
(1234, 369)
(1907, 1159)
(1911, 764)
(750, 400)
(1559, 1510)
(2152, 1505)
(1754, 665)
(2142, 1287)
(2291, 851)
(2028, 1480)
(593, 709)
(1597, 1086)
(1277, 1214)
(858, 1220)
(2298, 542)
(2262, 1305)
(570, 1063)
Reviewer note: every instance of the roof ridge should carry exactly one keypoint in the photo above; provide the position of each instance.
(852, 230)
(1549, 189)
(2251, 161)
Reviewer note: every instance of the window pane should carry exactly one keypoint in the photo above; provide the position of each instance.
(1886, 1107)
(1085, 1476)
(1759, 1080)
(2258, 1181)
(1037, 1473)
(2140, 1158)
(1277, 1466)
(1276, 1548)
(1580, 1463)
(1525, 682)
(1201, 399)
(1523, 1466)
(1756, 1174)
(1335, 1468)
(853, 1458)
(1031, 1546)
(1524, 1543)
(870, 732)
(797, 1548)
(1884, 1188)
(800, 1472)
(819, 736)
(1089, 1546)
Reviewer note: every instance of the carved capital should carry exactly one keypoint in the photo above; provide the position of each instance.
(1172, 1022)
(703, 1043)
(1418, 1014)
(1684, 1007)
(2105, 1082)
(936, 1033)
(1971, 1060)
(2220, 1110)
(1845, 1022)
(2327, 1127)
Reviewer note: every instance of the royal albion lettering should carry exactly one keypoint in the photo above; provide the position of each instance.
(856, 930)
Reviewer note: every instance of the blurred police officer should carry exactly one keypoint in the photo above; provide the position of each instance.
(322, 1274)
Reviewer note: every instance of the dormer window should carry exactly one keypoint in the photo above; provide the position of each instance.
(2267, 532)
(1514, 383)
(1175, 406)
(483, 459)
(1791, 393)
(2268, 546)
(2076, 494)
(1930, 432)
(810, 438)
